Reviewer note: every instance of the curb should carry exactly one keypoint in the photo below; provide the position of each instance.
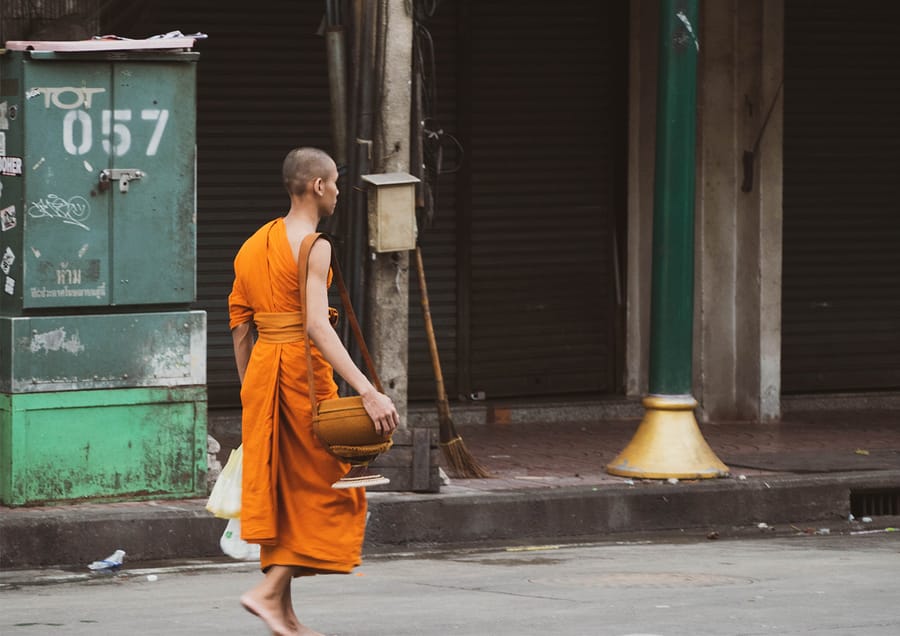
(578, 512)
(165, 530)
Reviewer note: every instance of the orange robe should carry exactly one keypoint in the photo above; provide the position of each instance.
(288, 505)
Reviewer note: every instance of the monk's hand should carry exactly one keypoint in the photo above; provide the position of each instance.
(382, 411)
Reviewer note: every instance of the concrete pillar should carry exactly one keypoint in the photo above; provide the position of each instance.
(738, 368)
(737, 323)
(770, 169)
(387, 286)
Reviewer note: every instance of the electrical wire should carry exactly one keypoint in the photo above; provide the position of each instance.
(433, 136)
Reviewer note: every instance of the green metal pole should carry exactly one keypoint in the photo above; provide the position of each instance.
(668, 442)
(672, 295)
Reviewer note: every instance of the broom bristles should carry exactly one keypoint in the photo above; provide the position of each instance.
(460, 461)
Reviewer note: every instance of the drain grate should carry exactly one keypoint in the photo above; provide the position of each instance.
(872, 503)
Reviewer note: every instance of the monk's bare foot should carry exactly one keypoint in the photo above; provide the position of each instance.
(270, 610)
(306, 631)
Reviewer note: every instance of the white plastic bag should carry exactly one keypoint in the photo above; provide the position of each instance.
(234, 546)
(225, 498)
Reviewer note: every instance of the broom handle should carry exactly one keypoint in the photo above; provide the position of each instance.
(443, 405)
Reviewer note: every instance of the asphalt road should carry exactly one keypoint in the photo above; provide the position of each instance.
(829, 585)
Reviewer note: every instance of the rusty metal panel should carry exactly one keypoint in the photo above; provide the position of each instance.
(66, 249)
(77, 352)
(102, 445)
(841, 270)
(154, 221)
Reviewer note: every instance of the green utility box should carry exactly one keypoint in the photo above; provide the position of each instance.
(102, 362)
(98, 180)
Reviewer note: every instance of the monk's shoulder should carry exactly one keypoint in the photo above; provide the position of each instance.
(256, 244)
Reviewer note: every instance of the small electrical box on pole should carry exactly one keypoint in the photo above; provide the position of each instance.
(392, 211)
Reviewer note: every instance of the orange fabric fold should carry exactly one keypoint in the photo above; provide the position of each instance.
(287, 499)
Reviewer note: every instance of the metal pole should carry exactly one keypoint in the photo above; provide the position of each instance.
(337, 84)
(366, 26)
(672, 306)
(668, 442)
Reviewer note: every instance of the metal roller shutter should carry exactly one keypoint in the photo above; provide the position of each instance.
(542, 146)
(520, 263)
(438, 243)
(262, 90)
(841, 285)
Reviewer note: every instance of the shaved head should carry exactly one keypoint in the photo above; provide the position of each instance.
(302, 165)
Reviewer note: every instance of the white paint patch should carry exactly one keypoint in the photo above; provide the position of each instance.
(198, 354)
(39, 163)
(169, 364)
(83, 250)
(687, 25)
(36, 252)
(34, 92)
(4, 119)
(2, 143)
(10, 286)
(56, 340)
(88, 166)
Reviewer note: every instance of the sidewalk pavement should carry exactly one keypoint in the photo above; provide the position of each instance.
(806, 473)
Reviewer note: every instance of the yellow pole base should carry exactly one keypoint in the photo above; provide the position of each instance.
(668, 443)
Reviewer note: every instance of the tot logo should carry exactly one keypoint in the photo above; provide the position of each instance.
(66, 97)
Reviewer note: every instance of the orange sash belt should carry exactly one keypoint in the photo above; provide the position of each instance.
(279, 327)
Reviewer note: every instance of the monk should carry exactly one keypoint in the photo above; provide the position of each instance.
(303, 525)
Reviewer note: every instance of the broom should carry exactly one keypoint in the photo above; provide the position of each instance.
(458, 458)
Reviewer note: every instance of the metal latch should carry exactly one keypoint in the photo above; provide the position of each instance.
(122, 175)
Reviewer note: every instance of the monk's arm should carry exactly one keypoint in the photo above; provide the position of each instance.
(242, 337)
(379, 406)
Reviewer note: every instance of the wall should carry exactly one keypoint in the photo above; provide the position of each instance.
(737, 308)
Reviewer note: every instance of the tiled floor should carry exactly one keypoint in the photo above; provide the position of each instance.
(535, 455)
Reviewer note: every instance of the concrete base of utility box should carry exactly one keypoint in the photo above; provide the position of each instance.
(139, 443)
